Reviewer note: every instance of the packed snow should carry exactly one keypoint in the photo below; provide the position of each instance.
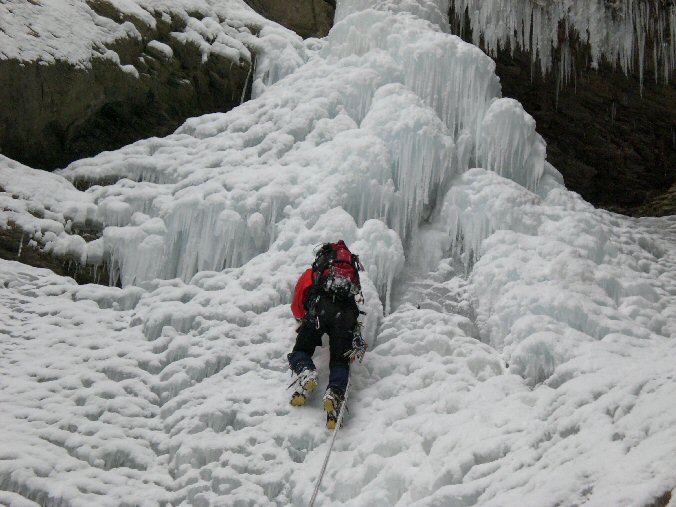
(521, 341)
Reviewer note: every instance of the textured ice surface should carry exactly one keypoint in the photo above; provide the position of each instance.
(521, 341)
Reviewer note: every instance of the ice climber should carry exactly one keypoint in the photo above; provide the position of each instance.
(325, 302)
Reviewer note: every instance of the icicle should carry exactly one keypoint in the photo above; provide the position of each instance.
(618, 32)
(509, 144)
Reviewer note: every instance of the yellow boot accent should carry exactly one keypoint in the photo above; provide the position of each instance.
(298, 399)
(328, 406)
(331, 423)
(310, 385)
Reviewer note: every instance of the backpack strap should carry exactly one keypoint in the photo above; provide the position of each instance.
(323, 259)
(357, 263)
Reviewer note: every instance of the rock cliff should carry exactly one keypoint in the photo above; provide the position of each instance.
(308, 18)
(82, 77)
(613, 143)
(604, 100)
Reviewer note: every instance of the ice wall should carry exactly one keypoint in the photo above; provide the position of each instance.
(384, 113)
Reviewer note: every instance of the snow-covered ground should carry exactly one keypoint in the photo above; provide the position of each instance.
(522, 343)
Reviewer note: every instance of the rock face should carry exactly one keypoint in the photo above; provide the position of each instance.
(611, 136)
(58, 113)
(55, 112)
(308, 18)
(613, 144)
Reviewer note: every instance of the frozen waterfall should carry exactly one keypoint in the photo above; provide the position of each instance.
(522, 342)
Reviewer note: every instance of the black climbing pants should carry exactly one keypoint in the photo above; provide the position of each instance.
(337, 319)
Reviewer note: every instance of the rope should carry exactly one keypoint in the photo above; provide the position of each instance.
(333, 439)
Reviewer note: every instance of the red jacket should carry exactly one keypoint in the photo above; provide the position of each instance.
(304, 283)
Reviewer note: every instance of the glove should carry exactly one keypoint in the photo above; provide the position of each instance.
(358, 349)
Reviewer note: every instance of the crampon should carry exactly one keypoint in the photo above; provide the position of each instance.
(333, 400)
(304, 383)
